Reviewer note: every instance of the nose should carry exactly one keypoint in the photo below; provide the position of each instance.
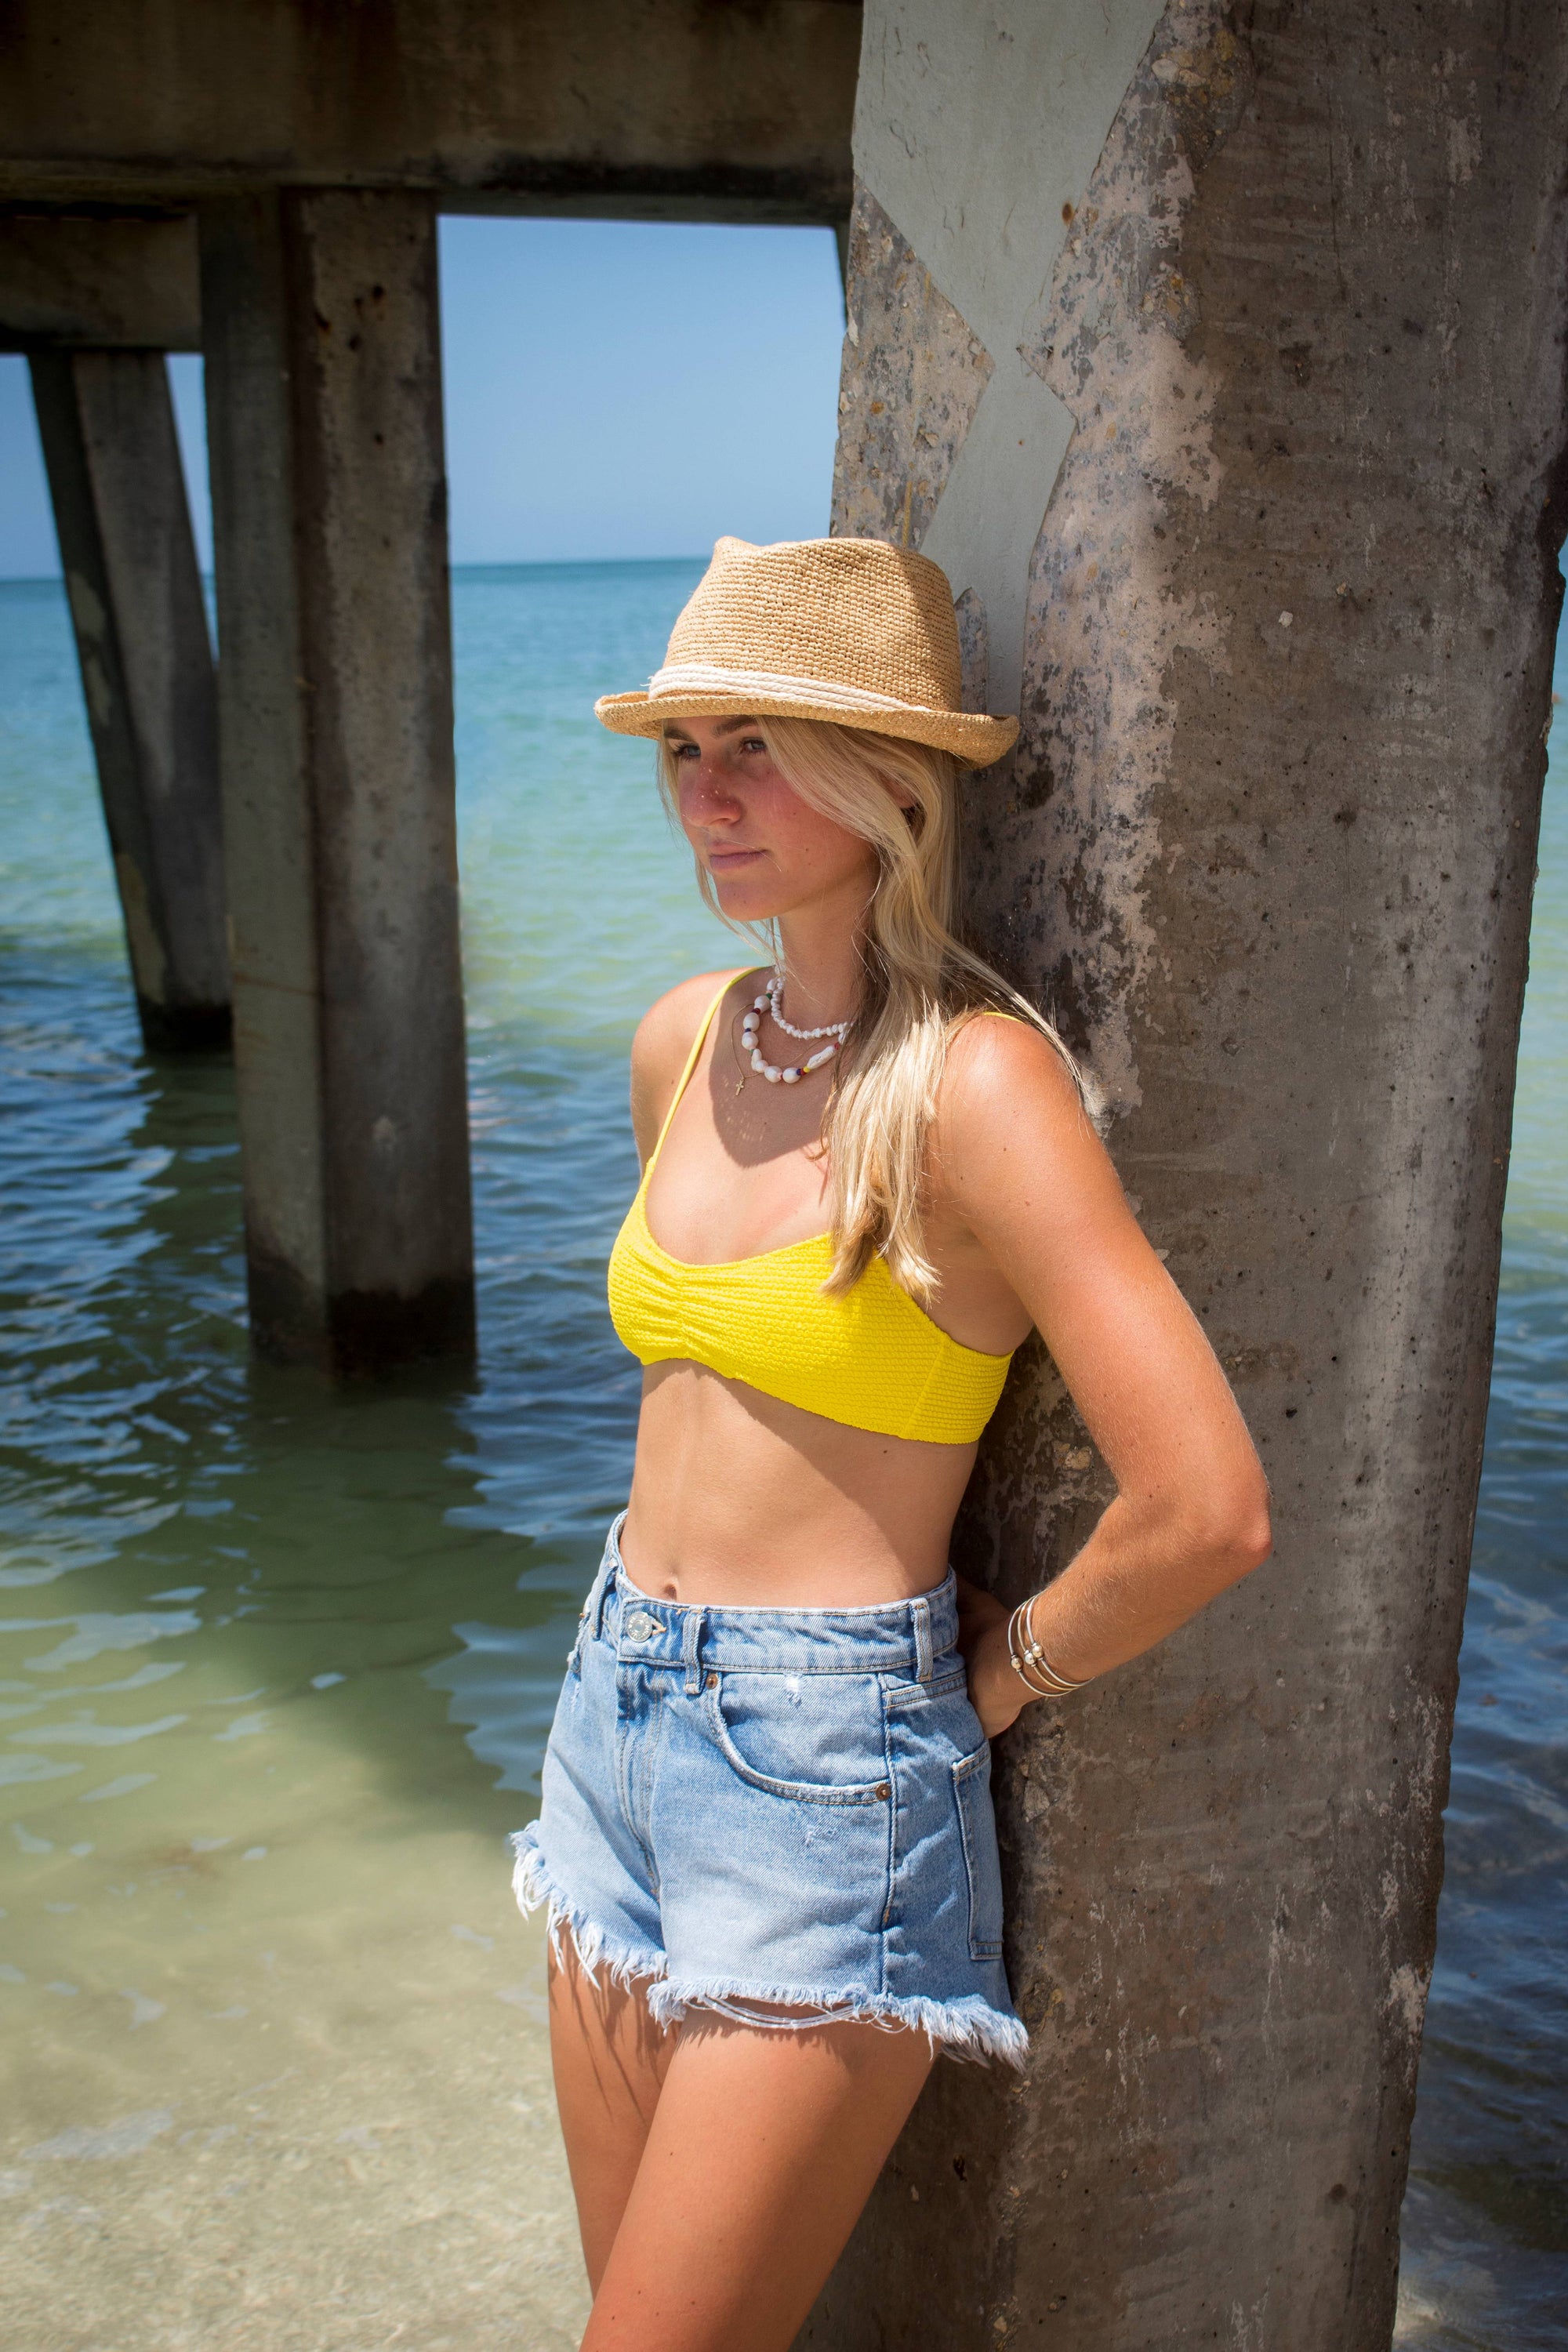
(707, 796)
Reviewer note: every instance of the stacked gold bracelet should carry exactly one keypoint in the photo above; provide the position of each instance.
(1030, 1664)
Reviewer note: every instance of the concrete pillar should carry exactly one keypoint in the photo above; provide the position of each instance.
(321, 329)
(107, 429)
(1218, 354)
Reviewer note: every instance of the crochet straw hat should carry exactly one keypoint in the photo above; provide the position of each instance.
(850, 630)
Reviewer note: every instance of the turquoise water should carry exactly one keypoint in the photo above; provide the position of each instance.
(276, 1666)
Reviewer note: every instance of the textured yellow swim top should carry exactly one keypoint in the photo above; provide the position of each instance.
(872, 1359)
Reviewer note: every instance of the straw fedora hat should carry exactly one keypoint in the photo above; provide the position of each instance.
(850, 630)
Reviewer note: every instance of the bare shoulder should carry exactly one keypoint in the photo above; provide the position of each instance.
(665, 1032)
(997, 1067)
(665, 1036)
(1008, 1097)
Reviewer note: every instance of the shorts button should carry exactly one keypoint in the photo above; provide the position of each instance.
(882, 1788)
(711, 1681)
(640, 1625)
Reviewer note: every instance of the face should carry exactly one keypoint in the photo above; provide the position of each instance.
(768, 852)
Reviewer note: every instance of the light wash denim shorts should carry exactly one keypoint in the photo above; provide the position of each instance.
(745, 1807)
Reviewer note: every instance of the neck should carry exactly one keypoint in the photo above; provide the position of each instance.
(819, 957)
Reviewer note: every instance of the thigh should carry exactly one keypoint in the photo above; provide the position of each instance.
(762, 2149)
(609, 2060)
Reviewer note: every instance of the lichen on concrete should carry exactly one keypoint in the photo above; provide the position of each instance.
(913, 376)
(1110, 609)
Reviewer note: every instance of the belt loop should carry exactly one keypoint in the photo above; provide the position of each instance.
(690, 1650)
(609, 1572)
(919, 1610)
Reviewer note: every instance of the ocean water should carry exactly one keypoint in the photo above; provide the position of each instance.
(276, 1666)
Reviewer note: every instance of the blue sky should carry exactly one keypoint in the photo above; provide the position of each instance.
(613, 388)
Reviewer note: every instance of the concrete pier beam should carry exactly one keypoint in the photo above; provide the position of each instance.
(323, 383)
(1219, 354)
(99, 281)
(652, 109)
(107, 430)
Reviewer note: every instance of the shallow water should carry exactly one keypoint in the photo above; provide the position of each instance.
(276, 1666)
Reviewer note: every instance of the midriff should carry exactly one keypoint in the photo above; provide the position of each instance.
(741, 1500)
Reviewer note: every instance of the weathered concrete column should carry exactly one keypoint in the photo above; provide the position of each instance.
(1263, 311)
(107, 429)
(335, 704)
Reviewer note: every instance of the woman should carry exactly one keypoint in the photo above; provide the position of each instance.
(766, 1841)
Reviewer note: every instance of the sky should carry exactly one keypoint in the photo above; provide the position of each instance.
(613, 389)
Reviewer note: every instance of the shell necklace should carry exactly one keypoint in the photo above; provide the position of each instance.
(750, 1030)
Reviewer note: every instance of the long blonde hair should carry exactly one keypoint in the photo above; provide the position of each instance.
(921, 985)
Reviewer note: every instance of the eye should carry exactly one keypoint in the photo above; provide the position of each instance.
(752, 743)
(679, 751)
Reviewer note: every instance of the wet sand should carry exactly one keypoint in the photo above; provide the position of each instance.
(333, 2146)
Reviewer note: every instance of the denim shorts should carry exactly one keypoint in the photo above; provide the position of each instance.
(750, 1809)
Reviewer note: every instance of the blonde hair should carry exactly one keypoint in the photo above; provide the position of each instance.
(921, 983)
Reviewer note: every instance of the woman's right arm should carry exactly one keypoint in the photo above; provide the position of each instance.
(1190, 1516)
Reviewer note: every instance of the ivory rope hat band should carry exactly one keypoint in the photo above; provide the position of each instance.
(849, 630)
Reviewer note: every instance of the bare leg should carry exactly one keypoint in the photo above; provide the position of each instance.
(761, 2150)
(609, 2060)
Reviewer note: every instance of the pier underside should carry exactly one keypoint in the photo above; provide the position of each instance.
(263, 184)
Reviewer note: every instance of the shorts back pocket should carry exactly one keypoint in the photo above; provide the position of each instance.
(981, 1863)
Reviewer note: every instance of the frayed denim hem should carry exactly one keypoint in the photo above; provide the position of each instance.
(626, 1964)
(968, 2028)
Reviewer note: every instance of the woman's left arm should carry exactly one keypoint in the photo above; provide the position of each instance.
(1022, 1167)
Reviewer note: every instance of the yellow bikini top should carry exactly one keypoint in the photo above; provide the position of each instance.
(873, 1358)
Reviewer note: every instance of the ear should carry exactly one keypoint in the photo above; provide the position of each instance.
(899, 794)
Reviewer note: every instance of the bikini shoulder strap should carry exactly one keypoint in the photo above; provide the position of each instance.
(696, 1044)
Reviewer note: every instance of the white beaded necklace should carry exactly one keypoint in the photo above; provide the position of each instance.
(751, 1031)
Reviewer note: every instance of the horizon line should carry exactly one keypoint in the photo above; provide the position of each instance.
(476, 563)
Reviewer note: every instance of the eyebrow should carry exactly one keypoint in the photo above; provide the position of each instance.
(726, 727)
